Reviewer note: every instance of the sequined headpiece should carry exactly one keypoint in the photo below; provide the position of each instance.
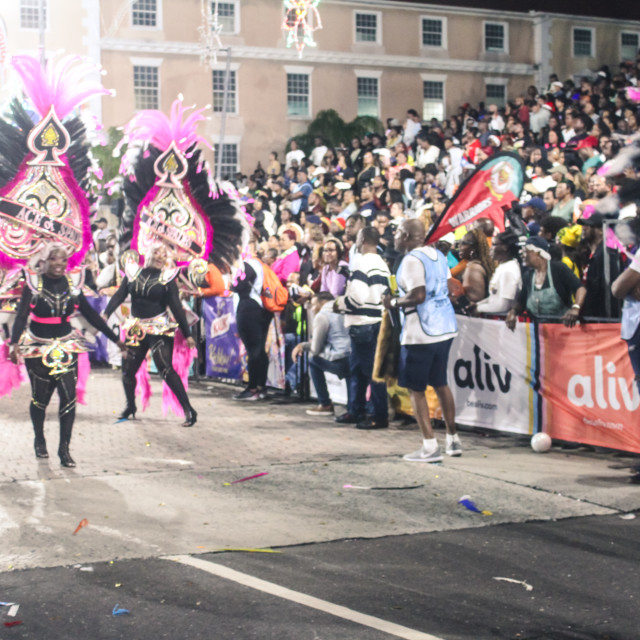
(44, 162)
(170, 195)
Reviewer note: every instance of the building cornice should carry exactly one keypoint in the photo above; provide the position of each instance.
(421, 8)
(476, 11)
(290, 56)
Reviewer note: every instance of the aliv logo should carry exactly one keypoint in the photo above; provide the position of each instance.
(587, 391)
(481, 373)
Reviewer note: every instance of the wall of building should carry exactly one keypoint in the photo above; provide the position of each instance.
(607, 49)
(536, 45)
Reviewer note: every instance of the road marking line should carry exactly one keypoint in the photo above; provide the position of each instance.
(302, 598)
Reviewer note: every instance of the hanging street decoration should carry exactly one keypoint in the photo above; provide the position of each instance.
(301, 19)
(210, 30)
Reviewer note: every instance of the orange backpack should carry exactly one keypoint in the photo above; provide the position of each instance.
(274, 294)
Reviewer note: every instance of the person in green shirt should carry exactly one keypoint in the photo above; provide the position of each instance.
(565, 203)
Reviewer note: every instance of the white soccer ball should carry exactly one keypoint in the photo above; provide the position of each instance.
(541, 442)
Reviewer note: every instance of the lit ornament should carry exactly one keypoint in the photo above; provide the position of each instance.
(301, 19)
(209, 30)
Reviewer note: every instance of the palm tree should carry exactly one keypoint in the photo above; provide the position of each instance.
(335, 131)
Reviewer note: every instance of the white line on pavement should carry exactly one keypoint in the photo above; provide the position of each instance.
(303, 599)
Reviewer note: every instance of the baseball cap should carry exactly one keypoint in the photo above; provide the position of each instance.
(594, 220)
(536, 203)
(449, 238)
(539, 245)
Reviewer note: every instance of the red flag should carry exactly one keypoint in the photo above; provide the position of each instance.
(485, 194)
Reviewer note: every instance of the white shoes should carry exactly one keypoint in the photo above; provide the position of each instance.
(423, 456)
(453, 448)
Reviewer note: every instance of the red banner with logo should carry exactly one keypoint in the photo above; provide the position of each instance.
(494, 185)
(588, 388)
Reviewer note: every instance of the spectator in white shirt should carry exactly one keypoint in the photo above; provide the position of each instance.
(427, 152)
(412, 127)
(318, 151)
(294, 154)
(506, 281)
(497, 122)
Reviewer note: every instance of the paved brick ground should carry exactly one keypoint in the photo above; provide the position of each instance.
(228, 434)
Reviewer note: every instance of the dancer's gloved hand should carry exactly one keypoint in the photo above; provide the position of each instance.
(191, 343)
(123, 349)
(14, 354)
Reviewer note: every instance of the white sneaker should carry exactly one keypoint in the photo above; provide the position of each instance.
(453, 449)
(422, 456)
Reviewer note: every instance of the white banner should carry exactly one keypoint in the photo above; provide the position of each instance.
(489, 372)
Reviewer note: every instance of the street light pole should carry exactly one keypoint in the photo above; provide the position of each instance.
(223, 115)
(42, 24)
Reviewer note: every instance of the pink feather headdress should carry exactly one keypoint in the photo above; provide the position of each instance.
(61, 85)
(52, 163)
(167, 211)
(160, 130)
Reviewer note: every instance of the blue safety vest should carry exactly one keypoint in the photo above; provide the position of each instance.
(436, 313)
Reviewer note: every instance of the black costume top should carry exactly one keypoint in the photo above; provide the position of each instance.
(244, 287)
(150, 296)
(54, 299)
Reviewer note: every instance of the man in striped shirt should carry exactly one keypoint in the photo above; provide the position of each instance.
(362, 306)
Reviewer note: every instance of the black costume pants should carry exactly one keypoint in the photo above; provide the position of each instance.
(253, 326)
(43, 384)
(162, 353)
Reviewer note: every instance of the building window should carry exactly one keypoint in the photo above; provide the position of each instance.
(583, 42)
(297, 94)
(629, 45)
(496, 94)
(226, 15)
(368, 102)
(432, 100)
(367, 27)
(495, 37)
(30, 14)
(432, 33)
(229, 160)
(218, 91)
(145, 87)
(144, 13)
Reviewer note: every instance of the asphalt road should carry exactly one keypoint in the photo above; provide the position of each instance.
(570, 580)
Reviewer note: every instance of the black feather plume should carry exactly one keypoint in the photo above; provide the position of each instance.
(226, 219)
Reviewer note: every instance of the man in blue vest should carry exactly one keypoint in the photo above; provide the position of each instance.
(428, 329)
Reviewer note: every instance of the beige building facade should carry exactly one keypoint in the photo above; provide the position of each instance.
(377, 57)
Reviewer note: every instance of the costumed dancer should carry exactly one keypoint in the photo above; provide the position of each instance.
(44, 212)
(175, 217)
(50, 346)
(154, 292)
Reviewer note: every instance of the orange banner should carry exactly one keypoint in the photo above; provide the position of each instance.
(588, 388)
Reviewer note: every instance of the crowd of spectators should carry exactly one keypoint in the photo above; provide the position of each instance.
(309, 208)
(325, 220)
